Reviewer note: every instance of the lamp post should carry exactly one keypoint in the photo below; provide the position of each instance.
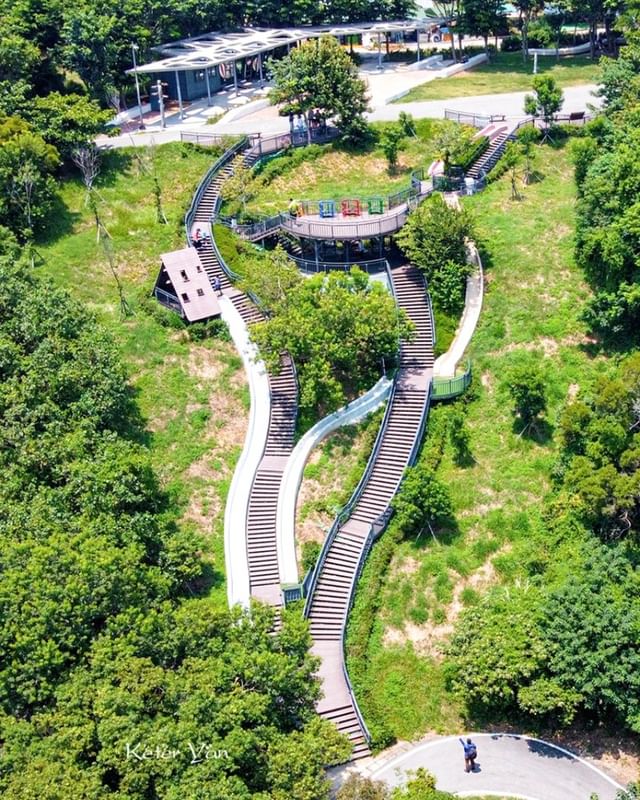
(134, 47)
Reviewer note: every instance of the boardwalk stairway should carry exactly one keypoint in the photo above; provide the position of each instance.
(348, 543)
(264, 577)
(488, 159)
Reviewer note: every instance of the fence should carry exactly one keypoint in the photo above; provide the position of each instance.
(446, 388)
(168, 300)
(310, 265)
(476, 120)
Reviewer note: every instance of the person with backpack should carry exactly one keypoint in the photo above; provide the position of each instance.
(470, 755)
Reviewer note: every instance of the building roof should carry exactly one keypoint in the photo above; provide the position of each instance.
(190, 280)
(212, 49)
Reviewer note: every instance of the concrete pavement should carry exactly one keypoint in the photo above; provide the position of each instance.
(508, 765)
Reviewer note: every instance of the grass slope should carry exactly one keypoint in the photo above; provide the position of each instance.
(533, 300)
(506, 72)
(193, 396)
(339, 173)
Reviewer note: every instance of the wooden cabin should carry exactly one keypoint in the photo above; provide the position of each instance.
(183, 285)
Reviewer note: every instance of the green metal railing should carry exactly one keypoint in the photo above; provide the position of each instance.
(446, 388)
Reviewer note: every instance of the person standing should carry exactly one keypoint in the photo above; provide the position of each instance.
(470, 755)
(217, 286)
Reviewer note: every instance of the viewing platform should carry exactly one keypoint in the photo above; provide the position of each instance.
(364, 222)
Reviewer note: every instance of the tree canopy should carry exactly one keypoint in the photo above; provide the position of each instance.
(320, 75)
(338, 328)
(434, 239)
(118, 676)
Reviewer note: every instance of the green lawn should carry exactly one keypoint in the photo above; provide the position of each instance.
(193, 396)
(505, 73)
(534, 293)
(340, 173)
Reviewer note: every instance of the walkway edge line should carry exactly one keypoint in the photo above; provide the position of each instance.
(235, 514)
(292, 478)
(433, 742)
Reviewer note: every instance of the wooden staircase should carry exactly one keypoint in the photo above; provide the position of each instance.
(264, 577)
(401, 430)
(488, 159)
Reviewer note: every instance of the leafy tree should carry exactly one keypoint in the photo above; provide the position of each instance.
(528, 10)
(230, 706)
(357, 787)
(527, 390)
(434, 234)
(510, 160)
(101, 653)
(583, 153)
(460, 438)
(590, 630)
(434, 239)
(527, 138)
(338, 329)
(420, 786)
(310, 553)
(26, 184)
(546, 101)
(483, 18)
(423, 502)
(448, 286)
(320, 75)
(496, 649)
(452, 143)
(67, 121)
(270, 276)
(407, 124)
(390, 142)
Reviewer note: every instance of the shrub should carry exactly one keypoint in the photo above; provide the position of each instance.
(310, 553)
(212, 329)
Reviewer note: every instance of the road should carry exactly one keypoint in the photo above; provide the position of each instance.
(267, 120)
(507, 766)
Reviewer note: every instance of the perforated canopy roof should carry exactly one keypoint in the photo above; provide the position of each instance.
(212, 49)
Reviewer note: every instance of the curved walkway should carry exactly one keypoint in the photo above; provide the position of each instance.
(445, 366)
(292, 478)
(367, 513)
(235, 515)
(508, 765)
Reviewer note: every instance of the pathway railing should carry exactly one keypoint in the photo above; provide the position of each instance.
(372, 224)
(309, 265)
(446, 388)
(476, 120)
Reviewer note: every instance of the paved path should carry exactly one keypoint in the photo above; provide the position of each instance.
(267, 120)
(576, 98)
(507, 766)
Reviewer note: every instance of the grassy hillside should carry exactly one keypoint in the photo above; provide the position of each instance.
(534, 294)
(193, 396)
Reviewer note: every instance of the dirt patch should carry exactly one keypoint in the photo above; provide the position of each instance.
(427, 638)
(329, 473)
(160, 420)
(203, 363)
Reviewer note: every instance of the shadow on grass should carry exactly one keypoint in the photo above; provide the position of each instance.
(60, 222)
(114, 163)
(209, 580)
(540, 431)
(444, 532)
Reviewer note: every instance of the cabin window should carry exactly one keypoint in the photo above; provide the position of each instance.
(200, 292)
(185, 297)
(184, 275)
